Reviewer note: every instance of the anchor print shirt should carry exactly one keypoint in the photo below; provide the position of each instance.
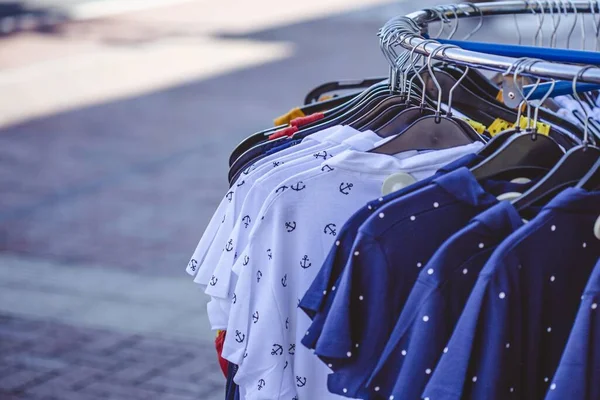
(214, 239)
(285, 250)
(316, 304)
(436, 302)
(515, 325)
(578, 373)
(220, 282)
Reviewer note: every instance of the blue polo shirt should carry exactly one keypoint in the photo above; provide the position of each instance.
(509, 339)
(391, 248)
(318, 299)
(578, 374)
(436, 302)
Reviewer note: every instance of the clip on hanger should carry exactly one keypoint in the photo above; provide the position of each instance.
(528, 151)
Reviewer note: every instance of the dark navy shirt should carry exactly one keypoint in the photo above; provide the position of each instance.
(436, 302)
(391, 248)
(318, 299)
(509, 339)
(578, 374)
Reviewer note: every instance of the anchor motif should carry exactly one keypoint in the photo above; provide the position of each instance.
(261, 384)
(241, 183)
(213, 280)
(346, 187)
(239, 336)
(330, 229)
(300, 381)
(326, 168)
(234, 298)
(287, 323)
(319, 155)
(246, 220)
(249, 169)
(290, 226)
(229, 196)
(284, 280)
(269, 254)
(292, 349)
(258, 276)
(193, 264)
(298, 186)
(255, 317)
(277, 350)
(229, 245)
(281, 189)
(277, 163)
(246, 260)
(305, 262)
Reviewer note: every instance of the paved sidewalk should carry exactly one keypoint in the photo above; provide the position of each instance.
(45, 360)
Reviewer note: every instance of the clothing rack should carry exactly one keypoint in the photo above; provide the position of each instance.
(406, 32)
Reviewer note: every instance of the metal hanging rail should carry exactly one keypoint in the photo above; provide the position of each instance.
(407, 36)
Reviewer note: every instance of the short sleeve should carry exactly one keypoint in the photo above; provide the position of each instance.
(357, 325)
(206, 241)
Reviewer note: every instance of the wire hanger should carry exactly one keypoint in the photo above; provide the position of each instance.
(434, 131)
(569, 170)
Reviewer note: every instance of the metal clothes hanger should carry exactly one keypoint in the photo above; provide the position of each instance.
(407, 113)
(568, 171)
(431, 132)
(528, 151)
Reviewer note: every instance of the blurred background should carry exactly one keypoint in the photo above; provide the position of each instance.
(117, 118)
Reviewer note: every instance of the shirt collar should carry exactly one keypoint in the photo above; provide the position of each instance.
(344, 133)
(463, 185)
(322, 135)
(502, 218)
(362, 141)
(411, 161)
(576, 200)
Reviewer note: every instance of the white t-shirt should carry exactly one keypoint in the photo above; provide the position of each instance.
(213, 240)
(279, 264)
(221, 281)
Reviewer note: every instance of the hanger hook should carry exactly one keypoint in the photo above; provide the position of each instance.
(577, 76)
(574, 22)
(440, 17)
(451, 91)
(525, 65)
(539, 32)
(543, 99)
(417, 74)
(555, 22)
(518, 30)
(480, 24)
(453, 9)
(433, 78)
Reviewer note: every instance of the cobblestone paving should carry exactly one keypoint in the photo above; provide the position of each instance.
(52, 361)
